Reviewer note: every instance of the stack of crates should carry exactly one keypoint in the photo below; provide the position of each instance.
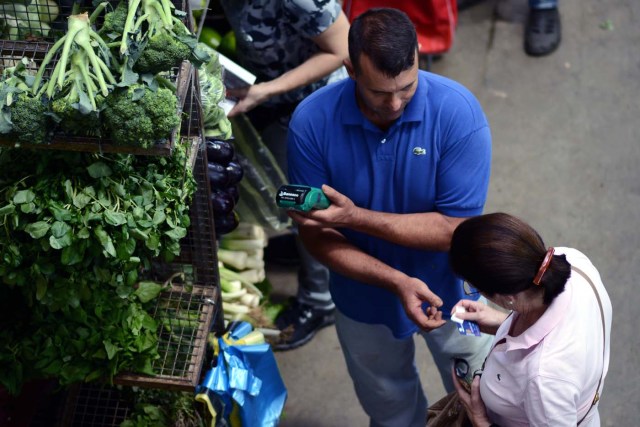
(191, 309)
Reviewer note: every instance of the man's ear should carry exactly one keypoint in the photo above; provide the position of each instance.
(349, 66)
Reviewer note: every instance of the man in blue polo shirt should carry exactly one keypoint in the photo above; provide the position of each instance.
(404, 156)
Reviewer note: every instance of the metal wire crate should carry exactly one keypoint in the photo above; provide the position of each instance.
(95, 405)
(12, 52)
(192, 308)
(185, 314)
(36, 48)
(44, 21)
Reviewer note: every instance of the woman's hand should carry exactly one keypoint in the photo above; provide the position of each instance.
(489, 319)
(472, 402)
(249, 97)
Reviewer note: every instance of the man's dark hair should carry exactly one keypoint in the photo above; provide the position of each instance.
(387, 37)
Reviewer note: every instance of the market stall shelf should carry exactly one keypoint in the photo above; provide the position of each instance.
(184, 314)
(12, 52)
(46, 20)
(95, 405)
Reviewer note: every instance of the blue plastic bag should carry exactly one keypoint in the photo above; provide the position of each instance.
(247, 375)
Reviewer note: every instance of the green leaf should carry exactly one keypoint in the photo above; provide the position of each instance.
(60, 229)
(139, 234)
(177, 233)
(60, 242)
(37, 229)
(126, 248)
(105, 241)
(83, 233)
(148, 291)
(153, 241)
(28, 208)
(115, 218)
(41, 289)
(81, 200)
(7, 209)
(99, 170)
(68, 189)
(111, 349)
(59, 212)
(24, 196)
(124, 291)
(159, 217)
(71, 255)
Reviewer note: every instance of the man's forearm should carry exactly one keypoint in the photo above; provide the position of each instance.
(332, 249)
(427, 231)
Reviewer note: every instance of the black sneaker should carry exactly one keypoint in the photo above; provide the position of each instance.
(299, 323)
(543, 32)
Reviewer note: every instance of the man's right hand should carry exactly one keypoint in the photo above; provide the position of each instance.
(414, 293)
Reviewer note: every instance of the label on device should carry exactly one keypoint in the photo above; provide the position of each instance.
(301, 198)
(465, 327)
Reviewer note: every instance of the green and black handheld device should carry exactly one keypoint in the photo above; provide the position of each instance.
(301, 198)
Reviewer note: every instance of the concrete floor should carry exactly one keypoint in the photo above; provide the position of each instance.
(566, 132)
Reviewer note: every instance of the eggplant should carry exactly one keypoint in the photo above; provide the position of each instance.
(234, 192)
(226, 223)
(218, 176)
(222, 202)
(235, 173)
(219, 151)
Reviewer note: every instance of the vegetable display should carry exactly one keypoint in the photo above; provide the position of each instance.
(111, 80)
(81, 233)
(78, 231)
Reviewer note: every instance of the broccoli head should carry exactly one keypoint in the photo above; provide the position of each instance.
(140, 116)
(114, 21)
(30, 119)
(74, 122)
(162, 53)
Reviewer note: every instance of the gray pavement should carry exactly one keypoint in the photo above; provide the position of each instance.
(566, 132)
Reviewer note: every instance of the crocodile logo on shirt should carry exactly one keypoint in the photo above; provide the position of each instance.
(419, 151)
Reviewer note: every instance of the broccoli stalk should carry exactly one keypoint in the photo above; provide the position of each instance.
(161, 40)
(80, 79)
(155, 13)
(82, 70)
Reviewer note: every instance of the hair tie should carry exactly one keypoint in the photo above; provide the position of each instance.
(543, 267)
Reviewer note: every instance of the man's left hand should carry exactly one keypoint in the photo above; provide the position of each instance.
(341, 213)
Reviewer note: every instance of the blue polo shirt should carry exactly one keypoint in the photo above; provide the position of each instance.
(435, 158)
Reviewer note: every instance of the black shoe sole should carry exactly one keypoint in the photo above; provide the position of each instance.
(300, 343)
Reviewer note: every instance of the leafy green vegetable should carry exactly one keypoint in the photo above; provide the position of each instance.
(76, 232)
